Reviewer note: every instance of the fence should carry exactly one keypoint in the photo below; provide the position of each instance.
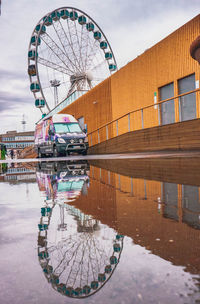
(146, 117)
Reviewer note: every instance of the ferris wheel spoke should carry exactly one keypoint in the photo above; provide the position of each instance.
(96, 68)
(93, 49)
(90, 58)
(73, 264)
(71, 44)
(56, 50)
(66, 264)
(87, 46)
(58, 27)
(53, 65)
(64, 256)
(96, 254)
(75, 270)
(79, 45)
(90, 258)
(98, 65)
(82, 263)
(82, 45)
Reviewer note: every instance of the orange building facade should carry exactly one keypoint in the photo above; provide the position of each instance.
(164, 71)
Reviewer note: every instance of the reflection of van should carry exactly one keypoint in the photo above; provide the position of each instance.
(60, 135)
(63, 180)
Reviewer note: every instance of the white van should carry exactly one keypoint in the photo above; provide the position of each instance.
(58, 135)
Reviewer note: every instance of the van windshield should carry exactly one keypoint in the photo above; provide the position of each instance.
(67, 127)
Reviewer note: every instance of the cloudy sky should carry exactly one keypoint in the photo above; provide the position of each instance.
(131, 26)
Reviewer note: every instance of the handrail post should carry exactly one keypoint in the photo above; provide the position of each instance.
(159, 115)
(131, 186)
(142, 118)
(129, 123)
(98, 137)
(119, 182)
(109, 177)
(91, 139)
(106, 132)
(117, 126)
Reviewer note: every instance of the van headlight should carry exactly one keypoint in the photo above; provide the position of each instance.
(61, 140)
(86, 139)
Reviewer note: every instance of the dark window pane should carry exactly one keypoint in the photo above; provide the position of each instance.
(167, 108)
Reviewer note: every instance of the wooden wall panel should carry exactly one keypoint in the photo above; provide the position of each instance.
(180, 136)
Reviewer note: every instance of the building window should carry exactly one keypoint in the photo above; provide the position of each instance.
(187, 104)
(81, 122)
(167, 108)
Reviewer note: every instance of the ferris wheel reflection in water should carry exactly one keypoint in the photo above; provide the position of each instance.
(77, 253)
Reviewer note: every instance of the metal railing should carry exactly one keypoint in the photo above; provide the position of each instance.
(114, 124)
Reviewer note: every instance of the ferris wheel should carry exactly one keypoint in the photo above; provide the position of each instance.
(80, 258)
(68, 55)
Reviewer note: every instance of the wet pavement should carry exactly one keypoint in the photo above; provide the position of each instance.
(101, 230)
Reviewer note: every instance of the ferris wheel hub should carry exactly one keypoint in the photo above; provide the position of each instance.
(89, 75)
(80, 76)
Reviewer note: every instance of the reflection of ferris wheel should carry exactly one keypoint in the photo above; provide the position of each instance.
(68, 54)
(80, 258)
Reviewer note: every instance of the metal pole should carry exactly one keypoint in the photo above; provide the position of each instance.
(129, 123)
(119, 182)
(106, 132)
(159, 115)
(98, 137)
(131, 186)
(91, 139)
(145, 189)
(142, 118)
(109, 177)
(117, 126)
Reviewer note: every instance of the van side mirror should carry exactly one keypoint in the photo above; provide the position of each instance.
(85, 128)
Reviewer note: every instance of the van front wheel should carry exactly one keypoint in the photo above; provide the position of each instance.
(84, 152)
(55, 152)
(40, 155)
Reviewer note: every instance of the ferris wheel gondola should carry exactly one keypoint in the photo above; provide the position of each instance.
(67, 48)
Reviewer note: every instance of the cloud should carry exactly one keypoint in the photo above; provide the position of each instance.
(9, 101)
(7, 75)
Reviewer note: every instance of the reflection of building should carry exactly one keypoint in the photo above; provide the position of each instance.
(18, 173)
(164, 217)
(17, 140)
(191, 205)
